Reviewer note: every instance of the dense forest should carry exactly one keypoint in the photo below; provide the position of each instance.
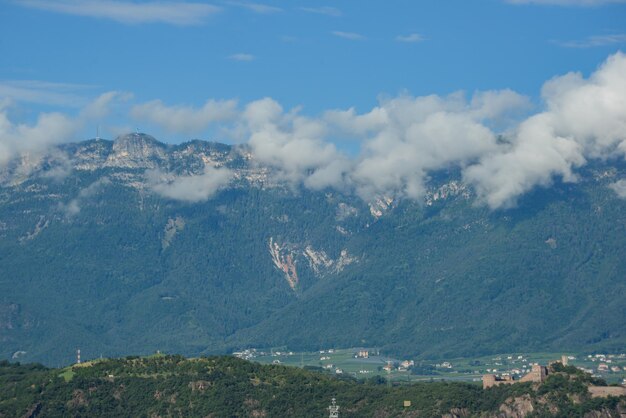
(97, 259)
(161, 386)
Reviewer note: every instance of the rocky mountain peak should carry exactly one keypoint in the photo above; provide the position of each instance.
(136, 150)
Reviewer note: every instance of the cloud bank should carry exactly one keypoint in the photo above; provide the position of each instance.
(585, 118)
(500, 149)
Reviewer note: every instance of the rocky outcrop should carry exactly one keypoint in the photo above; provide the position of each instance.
(446, 191)
(173, 226)
(283, 259)
(39, 226)
(136, 151)
(322, 264)
(518, 407)
(379, 206)
(457, 413)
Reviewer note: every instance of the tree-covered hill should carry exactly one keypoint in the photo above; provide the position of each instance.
(161, 386)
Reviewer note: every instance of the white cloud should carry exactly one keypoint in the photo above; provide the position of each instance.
(185, 119)
(172, 12)
(293, 145)
(415, 135)
(73, 207)
(349, 35)
(192, 188)
(241, 57)
(100, 107)
(594, 41)
(585, 118)
(619, 187)
(536, 156)
(324, 10)
(49, 128)
(256, 7)
(410, 38)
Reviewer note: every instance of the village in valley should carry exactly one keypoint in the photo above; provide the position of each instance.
(364, 363)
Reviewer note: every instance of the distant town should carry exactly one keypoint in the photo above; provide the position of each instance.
(370, 362)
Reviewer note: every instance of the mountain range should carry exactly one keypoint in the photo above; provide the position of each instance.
(132, 246)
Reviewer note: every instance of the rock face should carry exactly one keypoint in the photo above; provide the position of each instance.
(136, 151)
(323, 265)
(173, 226)
(283, 259)
(519, 407)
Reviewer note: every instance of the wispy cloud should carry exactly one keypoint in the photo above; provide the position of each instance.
(348, 35)
(170, 12)
(73, 207)
(594, 41)
(185, 119)
(566, 2)
(411, 38)
(324, 10)
(619, 187)
(259, 8)
(241, 57)
(44, 92)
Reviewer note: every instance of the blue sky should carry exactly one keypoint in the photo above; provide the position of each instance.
(294, 51)
(369, 96)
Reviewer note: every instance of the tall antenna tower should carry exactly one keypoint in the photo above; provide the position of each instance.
(333, 409)
(78, 356)
(98, 133)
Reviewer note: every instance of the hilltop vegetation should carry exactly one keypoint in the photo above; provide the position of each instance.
(162, 386)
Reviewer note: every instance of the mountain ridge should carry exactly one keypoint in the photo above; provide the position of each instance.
(97, 255)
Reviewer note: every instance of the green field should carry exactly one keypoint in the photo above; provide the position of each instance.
(454, 369)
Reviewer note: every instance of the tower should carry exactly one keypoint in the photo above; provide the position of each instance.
(333, 409)
(78, 356)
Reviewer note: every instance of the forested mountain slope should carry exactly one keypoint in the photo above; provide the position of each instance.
(116, 248)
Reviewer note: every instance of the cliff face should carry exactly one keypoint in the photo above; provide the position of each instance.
(136, 151)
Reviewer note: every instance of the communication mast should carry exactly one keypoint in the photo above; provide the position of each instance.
(78, 356)
(333, 409)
